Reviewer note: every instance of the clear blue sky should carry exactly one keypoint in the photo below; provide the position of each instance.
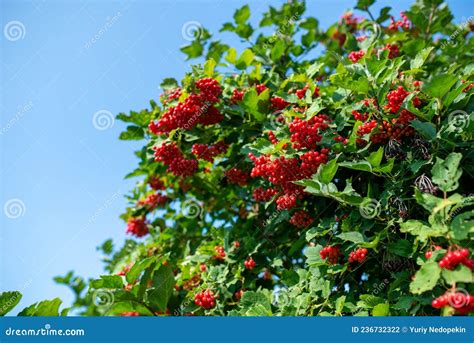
(62, 186)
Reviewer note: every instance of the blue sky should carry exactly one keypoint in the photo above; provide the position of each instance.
(64, 63)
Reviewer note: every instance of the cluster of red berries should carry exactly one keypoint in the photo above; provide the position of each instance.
(220, 252)
(209, 89)
(272, 138)
(358, 255)
(359, 116)
(205, 299)
(283, 171)
(249, 263)
(395, 99)
(340, 139)
(300, 93)
(355, 56)
(171, 95)
(137, 227)
(305, 133)
(462, 302)
(301, 219)
(331, 253)
(171, 156)
(350, 20)
(393, 49)
(455, 257)
(196, 109)
(311, 160)
(237, 96)
(261, 88)
(154, 200)
(396, 130)
(156, 184)
(209, 152)
(278, 103)
(262, 194)
(237, 176)
(367, 128)
(404, 23)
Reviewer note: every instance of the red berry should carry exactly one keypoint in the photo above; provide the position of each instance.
(137, 227)
(301, 219)
(205, 299)
(250, 263)
(331, 253)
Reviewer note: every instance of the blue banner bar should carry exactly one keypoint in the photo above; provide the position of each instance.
(234, 329)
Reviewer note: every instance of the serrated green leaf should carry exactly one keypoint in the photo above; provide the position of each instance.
(426, 278)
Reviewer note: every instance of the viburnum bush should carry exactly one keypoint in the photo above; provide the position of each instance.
(316, 172)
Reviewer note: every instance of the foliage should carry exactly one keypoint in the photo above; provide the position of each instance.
(387, 106)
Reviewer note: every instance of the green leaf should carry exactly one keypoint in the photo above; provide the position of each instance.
(364, 4)
(209, 67)
(8, 300)
(425, 278)
(107, 281)
(439, 85)
(169, 83)
(132, 133)
(128, 306)
(357, 165)
(138, 268)
(376, 157)
(401, 247)
(193, 50)
(245, 59)
(277, 50)
(339, 304)
(427, 130)
(352, 236)
(163, 285)
(460, 274)
(242, 15)
(253, 298)
(327, 171)
(423, 232)
(462, 225)
(420, 58)
(46, 308)
(381, 310)
(446, 173)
